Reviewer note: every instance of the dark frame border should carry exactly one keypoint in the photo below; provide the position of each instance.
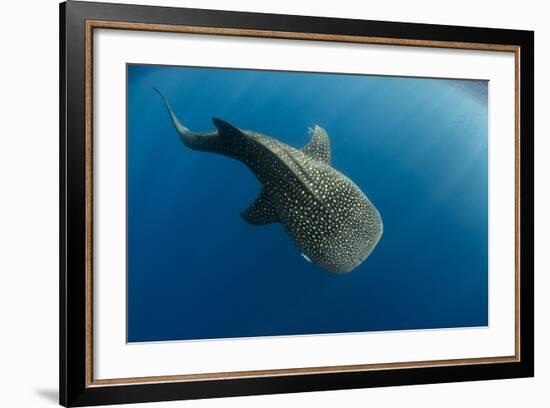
(76, 387)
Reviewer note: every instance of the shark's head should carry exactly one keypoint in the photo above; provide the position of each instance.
(342, 227)
(353, 243)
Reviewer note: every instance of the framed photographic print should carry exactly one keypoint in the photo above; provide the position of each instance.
(256, 203)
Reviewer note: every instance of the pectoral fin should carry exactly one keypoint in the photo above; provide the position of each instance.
(318, 146)
(261, 211)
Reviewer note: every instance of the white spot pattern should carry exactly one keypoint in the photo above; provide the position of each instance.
(328, 217)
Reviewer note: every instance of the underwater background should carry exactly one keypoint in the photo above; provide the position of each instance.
(417, 147)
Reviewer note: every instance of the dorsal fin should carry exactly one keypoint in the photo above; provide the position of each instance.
(318, 146)
(261, 211)
(227, 130)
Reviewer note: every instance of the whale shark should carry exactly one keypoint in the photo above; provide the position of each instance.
(329, 218)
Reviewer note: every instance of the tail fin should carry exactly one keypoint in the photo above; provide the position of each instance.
(205, 141)
(182, 130)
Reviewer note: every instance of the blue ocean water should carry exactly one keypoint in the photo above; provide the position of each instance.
(417, 147)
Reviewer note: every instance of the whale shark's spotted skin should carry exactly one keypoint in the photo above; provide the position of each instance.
(329, 218)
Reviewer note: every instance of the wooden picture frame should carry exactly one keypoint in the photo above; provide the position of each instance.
(78, 386)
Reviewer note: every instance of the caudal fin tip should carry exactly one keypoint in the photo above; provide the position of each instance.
(157, 91)
(163, 98)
